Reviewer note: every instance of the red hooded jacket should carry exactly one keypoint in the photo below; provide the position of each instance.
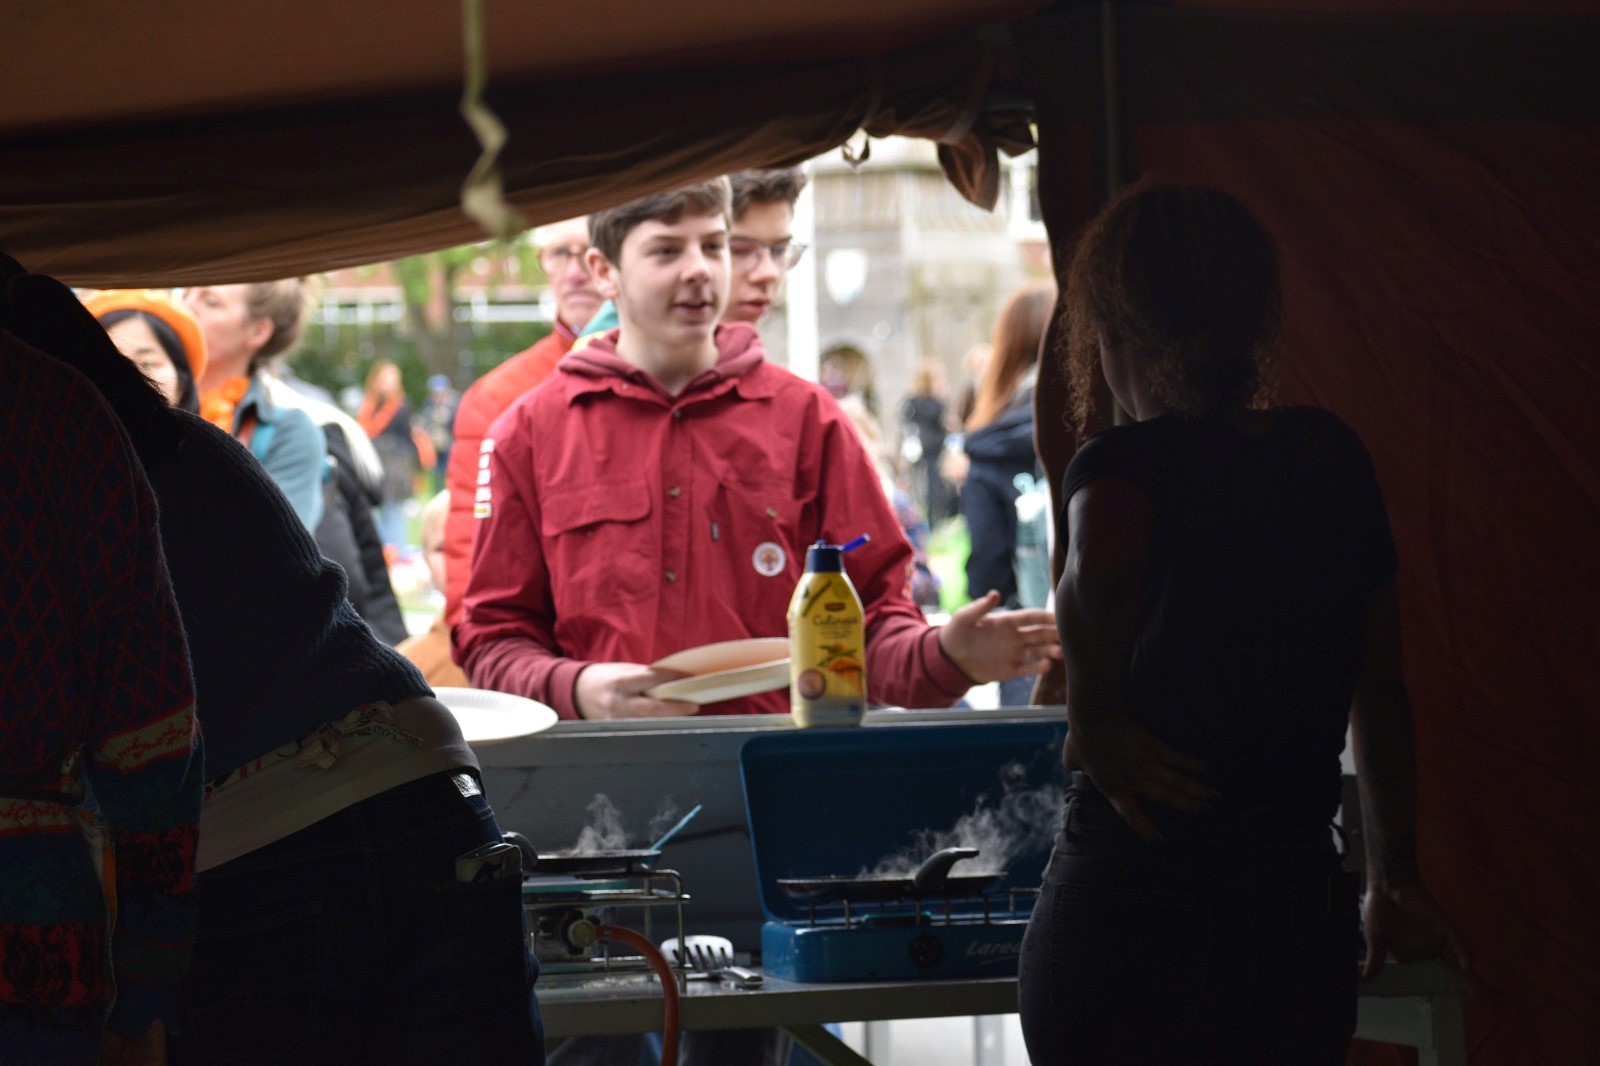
(624, 524)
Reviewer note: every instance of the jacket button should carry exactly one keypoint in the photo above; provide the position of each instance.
(772, 512)
(672, 575)
(674, 492)
(677, 412)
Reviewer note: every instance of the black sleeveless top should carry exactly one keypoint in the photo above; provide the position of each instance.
(1264, 555)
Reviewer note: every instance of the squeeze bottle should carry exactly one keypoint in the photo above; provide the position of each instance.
(827, 644)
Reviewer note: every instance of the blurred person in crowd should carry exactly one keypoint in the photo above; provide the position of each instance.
(923, 428)
(973, 364)
(351, 492)
(561, 253)
(345, 533)
(924, 583)
(573, 589)
(998, 443)
(438, 415)
(163, 340)
(430, 651)
(385, 415)
(340, 795)
(1228, 607)
(245, 328)
(953, 461)
(846, 371)
(96, 701)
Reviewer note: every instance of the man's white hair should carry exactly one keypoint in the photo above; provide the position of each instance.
(541, 234)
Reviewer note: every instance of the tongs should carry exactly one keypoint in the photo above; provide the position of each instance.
(712, 956)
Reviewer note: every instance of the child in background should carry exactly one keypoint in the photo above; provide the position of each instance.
(430, 651)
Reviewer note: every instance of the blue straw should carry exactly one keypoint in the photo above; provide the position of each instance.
(854, 544)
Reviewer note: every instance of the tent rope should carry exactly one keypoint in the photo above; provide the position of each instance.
(483, 193)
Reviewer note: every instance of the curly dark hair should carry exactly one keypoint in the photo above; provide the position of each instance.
(1184, 279)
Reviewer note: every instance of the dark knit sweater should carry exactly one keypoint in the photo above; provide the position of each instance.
(277, 648)
(92, 658)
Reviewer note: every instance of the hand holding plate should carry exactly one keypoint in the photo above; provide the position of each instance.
(616, 690)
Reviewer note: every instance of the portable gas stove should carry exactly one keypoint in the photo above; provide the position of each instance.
(569, 898)
(842, 799)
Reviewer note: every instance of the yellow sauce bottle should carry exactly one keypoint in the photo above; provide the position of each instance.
(827, 644)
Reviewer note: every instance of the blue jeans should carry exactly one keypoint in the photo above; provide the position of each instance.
(1233, 942)
(352, 941)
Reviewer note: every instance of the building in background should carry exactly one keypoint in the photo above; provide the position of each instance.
(905, 269)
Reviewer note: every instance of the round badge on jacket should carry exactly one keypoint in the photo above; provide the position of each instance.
(769, 558)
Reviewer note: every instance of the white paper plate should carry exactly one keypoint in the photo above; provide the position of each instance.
(485, 715)
(726, 655)
(725, 684)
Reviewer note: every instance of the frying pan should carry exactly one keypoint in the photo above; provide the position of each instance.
(932, 878)
(612, 863)
(598, 864)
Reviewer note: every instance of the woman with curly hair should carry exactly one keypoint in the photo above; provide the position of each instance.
(1227, 607)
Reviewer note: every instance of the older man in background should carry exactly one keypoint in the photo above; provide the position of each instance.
(562, 247)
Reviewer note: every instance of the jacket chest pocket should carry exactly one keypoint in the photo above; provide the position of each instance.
(752, 517)
(601, 546)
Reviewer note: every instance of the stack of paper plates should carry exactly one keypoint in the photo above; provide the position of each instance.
(725, 670)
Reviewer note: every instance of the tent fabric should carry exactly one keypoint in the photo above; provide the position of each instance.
(297, 187)
(1432, 183)
(185, 58)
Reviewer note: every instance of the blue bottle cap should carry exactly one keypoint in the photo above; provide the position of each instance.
(824, 558)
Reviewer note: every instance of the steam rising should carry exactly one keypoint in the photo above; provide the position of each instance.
(1024, 820)
(606, 831)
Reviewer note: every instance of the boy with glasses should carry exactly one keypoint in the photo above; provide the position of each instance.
(761, 246)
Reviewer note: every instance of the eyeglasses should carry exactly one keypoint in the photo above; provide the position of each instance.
(746, 252)
(558, 259)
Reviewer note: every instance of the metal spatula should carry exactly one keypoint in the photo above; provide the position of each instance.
(713, 955)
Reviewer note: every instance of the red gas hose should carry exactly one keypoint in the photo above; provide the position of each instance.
(669, 986)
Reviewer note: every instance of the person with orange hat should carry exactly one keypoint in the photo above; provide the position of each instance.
(163, 340)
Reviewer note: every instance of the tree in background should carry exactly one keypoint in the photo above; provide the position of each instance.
(426, 333)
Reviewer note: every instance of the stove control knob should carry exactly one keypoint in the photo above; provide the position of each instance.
(926, 951)
(579, 933)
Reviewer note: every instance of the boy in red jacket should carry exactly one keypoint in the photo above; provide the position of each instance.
(659, 491)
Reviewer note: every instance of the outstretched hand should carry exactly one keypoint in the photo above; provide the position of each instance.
(1128, 763)
(1407, 922)
(990, 645)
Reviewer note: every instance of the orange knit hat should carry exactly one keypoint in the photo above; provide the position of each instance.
(177, 319)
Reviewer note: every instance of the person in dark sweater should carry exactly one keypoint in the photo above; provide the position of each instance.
(348, 535)
(1228, 606)
(999, 446)
(332, 926)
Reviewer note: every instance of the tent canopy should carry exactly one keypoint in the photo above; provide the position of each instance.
(184, 141)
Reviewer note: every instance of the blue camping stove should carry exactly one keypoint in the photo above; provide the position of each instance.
(965, 814)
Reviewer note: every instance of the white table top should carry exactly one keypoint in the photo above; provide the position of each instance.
(631, 1003)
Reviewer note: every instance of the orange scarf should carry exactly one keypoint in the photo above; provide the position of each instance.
(374, 417)
(217, 405)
